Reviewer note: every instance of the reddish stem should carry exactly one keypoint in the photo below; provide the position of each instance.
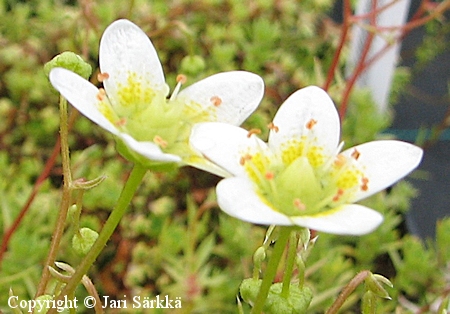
(347, 11)
(360, 67)
(348, 289)
(44, 174)
(42, 177)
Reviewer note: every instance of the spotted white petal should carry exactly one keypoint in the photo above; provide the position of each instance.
(126, 50)
(345, 220)
(231, 96)
(225, 144)
(307, 107)
(148, 149)
(82, 95)
(384, 163)
(236, 197)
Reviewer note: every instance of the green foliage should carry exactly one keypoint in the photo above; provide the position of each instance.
(174, 240)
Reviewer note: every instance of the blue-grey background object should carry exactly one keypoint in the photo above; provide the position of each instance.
(423, 105)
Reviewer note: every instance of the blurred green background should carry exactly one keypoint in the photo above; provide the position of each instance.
(174, 240)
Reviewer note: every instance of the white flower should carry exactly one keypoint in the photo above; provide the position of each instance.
(133, 104)
(300, 177)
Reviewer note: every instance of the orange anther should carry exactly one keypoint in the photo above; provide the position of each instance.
(244, 158)
(159, 141)
(338, 195)
(101, 94)
(102, 76)
(269, 175)
(299, 204)
(216, 100)
(364, 185)
(310, 124)
(121, 122)
(181, 78)
(273, 127)
(253, 131)
(340, 160)
(355, 154)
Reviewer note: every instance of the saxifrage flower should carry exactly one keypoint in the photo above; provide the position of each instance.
(301, 177)
(133, 105)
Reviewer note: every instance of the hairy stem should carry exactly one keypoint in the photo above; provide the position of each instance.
(110, 225)
(348, 289)
(65, 201)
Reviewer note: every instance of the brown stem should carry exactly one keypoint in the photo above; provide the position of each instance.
(37, 185)
(44, 174)
(65, 201)
(359, 67)
(348, 289)
(337, 54)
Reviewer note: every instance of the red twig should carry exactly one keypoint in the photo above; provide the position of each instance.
(360, 67)
(345, 29)
(44, 175)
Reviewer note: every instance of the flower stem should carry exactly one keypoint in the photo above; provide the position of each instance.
(271, 269)
(110, 225)
(348, 289)
(65, 200)
(290, 261)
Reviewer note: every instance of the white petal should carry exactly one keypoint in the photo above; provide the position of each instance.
(125, 49)
(148, 149)
(384, 163)
(238, 92)
(237, 198)
(81, 94)
(346, 220)
(224, 144)
(307, 105)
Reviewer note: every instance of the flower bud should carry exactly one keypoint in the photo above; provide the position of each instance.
(368, 305)
(70, 61)
(373, 283)
(249, 289)
(259, 257)
(192, 65)
(83, 240)
(40, 306)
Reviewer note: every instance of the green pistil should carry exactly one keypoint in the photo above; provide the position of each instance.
(297, 189)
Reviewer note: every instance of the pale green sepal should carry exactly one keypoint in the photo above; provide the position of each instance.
(81, 184)
(15, 308)
(70, 61)
(384, 280)
(374, 284)
(57, 275)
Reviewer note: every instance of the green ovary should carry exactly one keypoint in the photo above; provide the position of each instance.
(304, 186)
(147, 115)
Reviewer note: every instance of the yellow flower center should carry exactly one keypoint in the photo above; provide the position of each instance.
(302, 178)
(146, 114)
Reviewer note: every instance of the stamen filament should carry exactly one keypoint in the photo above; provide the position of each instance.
(181, 79)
